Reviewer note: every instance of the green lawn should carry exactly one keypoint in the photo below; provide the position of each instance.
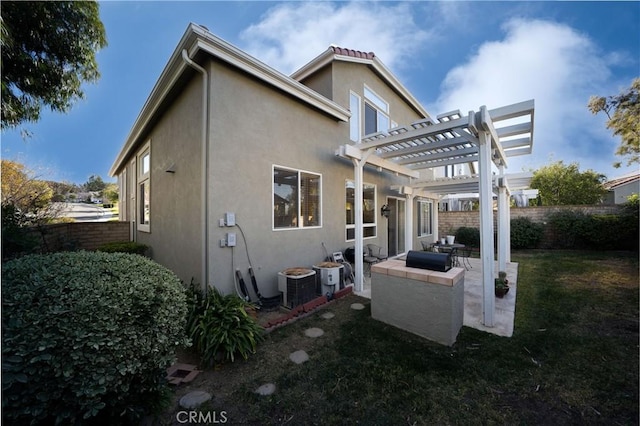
(573, 359)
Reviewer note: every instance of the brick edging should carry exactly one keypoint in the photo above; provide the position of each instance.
(304, 310)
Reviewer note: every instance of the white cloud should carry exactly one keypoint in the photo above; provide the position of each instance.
(291, 34)
(553, 64)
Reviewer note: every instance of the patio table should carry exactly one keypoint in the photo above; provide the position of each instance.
(450, 248)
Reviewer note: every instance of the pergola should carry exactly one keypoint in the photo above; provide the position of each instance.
(484, 136)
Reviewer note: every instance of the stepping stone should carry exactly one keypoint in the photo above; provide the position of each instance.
(314, 332)
(357, 306)
(266, 389)
(299, 357)
(194, 399)
(328, 315)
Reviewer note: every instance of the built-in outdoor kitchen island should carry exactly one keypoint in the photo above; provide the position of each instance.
(424, 302)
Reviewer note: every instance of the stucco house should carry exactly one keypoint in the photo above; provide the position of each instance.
(231, 163)
(621, 188)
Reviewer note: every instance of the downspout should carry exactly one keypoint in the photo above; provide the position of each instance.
(205, 166)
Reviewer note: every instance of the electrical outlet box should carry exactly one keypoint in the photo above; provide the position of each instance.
(230, 219)
(231, 239)
(221, 222)
(223, 243)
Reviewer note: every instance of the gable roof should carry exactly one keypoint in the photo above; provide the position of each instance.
(196, 40)
(335, 53)
(623, 180)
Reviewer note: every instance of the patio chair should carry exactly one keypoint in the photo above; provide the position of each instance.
(465, 254)
(372, 255)
(376, 251)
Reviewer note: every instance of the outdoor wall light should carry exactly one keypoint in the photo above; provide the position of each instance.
(385, 210)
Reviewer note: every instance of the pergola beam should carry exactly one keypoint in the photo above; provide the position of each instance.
(354, 153)
(487, 125)
(432, 164)
(438, 156)
(441, 144)
(420, 132)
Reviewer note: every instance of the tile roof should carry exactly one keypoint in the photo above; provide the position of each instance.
(614, 183)
(353, 53)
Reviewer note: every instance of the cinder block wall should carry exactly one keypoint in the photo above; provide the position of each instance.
(81, 235)
(449, 222)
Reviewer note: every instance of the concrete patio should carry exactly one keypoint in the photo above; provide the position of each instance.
(505, 307)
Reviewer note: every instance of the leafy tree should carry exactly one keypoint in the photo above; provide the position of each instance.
(95, 184)
(110, 192)
(21, 188)
(561, 184)
(623, 112)
(48, 51)
(26, 202)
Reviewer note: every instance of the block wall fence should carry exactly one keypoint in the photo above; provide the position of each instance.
(81, 235)
(449, 222)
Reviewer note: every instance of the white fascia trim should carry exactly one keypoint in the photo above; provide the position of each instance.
(197, 38)
(328, 56)
(234, 56)
(395, 83)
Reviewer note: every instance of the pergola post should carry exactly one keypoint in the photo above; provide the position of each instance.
(408, 226)
(359, 235)
(486, 228)
(503, 222)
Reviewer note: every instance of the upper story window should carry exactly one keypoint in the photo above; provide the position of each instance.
(296, 199)
(376, 113)
(144, 189)
(368, 210)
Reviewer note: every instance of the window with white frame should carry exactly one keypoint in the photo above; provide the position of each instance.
(354, 121)
(144, 189)
(376, 113)
(425, 218)
(368, 210)
(296, 198)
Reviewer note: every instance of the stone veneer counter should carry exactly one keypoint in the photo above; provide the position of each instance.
(424, 302)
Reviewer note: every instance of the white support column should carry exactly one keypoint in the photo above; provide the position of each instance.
(486, 228)
(435, 225)
(408, 226)
(503, 221)
(508, 256)
(359, 235)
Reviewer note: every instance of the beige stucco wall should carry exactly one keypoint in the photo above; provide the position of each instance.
(252, 129)
(255, 128)
(175, 235)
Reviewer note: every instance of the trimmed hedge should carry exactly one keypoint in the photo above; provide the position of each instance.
(575, 230)
(87, 337)
(124, 247)
(525, 234)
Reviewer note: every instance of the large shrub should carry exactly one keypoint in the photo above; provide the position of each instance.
(576, 230)
(468, 236)
(87, 337)
(220, 326)
(525, 233)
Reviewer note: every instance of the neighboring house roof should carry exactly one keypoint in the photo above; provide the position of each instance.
(335, 53)
(198, 39)
(623, 180)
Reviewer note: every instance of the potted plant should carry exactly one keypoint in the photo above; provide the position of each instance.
(501, 284)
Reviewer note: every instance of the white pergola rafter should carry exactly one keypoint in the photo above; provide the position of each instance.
(485, 136)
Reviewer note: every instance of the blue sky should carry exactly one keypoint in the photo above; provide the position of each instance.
(450, 55)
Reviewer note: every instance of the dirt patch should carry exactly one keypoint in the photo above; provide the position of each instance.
(271, 357)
